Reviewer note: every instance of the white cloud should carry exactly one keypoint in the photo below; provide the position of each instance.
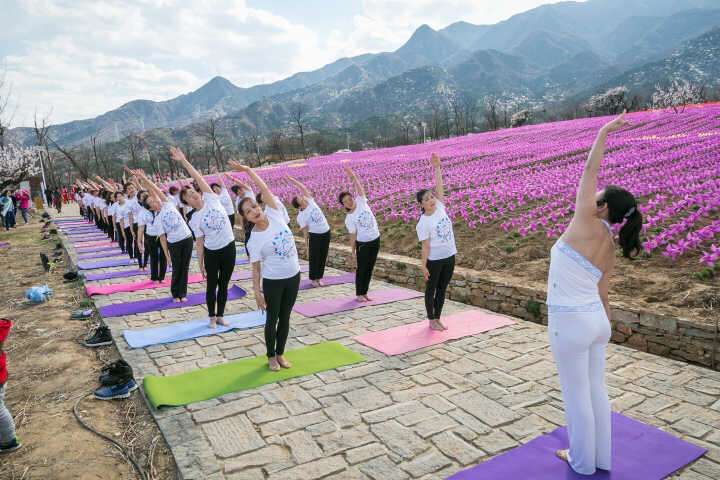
(84, 57)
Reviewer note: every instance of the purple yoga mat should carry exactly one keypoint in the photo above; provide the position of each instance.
(83, 250)
(120, 262)
(639, 452)
(156, 304)
(106, 254)
(306, 284)
(120, 274)
(341, 304)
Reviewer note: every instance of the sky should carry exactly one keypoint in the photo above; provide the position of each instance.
(74, 59)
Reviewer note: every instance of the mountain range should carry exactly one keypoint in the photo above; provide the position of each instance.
(548, 54)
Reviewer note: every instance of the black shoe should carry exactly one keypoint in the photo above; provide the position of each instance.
(71, 276)
(58, 246)
(45, 262)
(100, 338)
(10, 447)
(115, 373)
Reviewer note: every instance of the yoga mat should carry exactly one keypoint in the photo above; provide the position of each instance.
(106, 254)
(639, 452)
(119, 274)
(406, 338)
(341, 304)
(143, 285)
(211, 382)
(306, 284)
(92, 237)
(98, 243)
(176, 332)
(120, 262)
(4, 244)
(80, 251)
(157, 304)
(79, 230)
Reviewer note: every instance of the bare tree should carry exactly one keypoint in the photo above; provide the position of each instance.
(490, 112)
(210, 131)
(276, 144)
(470, 107)
(100, 157)
(298, 111)
(41, 137)
(5, 115)
(70, 156)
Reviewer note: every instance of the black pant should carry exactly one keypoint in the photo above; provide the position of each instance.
(111, 228)
(180, 256)
(219, 266)
(136, 247)
(441, 271)
(143, 257)
(319, 246)
(280, 296)
(158, 263)
(231, 217)
(365, 254)
(119, 237)
(129, 243)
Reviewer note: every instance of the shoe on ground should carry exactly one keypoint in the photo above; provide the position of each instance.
(81, 314)
(45, 262)
(114, 392)
(100, 338)
(10, 447)
(115, 373)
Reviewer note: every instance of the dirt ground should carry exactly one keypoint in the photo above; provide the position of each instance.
(649, 282)
(49, 371)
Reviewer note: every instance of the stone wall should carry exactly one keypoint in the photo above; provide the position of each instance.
(674, 337)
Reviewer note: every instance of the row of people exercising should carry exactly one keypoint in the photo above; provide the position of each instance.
(582, 261)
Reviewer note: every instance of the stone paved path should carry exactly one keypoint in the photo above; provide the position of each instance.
(422, 415)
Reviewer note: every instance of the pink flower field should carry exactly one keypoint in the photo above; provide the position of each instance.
(524, 180)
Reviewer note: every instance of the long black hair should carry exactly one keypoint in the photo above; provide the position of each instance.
(622, 207)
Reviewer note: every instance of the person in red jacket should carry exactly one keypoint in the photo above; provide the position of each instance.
(8, 440)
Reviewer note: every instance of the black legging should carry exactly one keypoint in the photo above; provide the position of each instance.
(319, 246)
(129, 242)
(180, 256)
(280, 296)
(365, 254)
(119, 238)
(158, 263)
(219, 266)
(441, 271)
(231, 217)
(143, 257)
(111, 228)
(136, 247)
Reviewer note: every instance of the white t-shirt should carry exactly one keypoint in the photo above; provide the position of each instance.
(144, 216)
(172, 224)
(122, 213)
(154, 226)
(281, 208)
(134, 207)
(226, 201)
(362, 221)
(100, 203)
(212, 222)
(313, 218)
(438, 229)
(274, 248)
(88, 199)
(175, 199)
(111, 209)
(246, 194)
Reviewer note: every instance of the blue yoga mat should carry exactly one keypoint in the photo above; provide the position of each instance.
(176, 332)
(166, 303)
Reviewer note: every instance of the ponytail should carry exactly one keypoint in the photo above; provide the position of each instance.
(629, 236)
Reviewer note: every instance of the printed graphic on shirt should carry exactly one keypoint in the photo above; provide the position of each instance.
(283, 244)
(443, 230)
(316, 215)
(170, 222)
(366, 220)
(214, 220)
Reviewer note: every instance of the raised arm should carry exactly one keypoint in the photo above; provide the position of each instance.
(152, 189)
(585, 206)
(267, 195)
(303, 189)
(240, 183)
(355, 181)
(439, 187)
(177, 155)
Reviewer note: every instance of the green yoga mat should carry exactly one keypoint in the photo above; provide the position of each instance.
(211, 382)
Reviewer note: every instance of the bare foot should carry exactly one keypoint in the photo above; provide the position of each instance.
(221, 321)
(319, 283)
(360, 299)
(367, 299)
(176, 300)
(442, 326)
(184, 299)
(273, 364)
(434, 325)
(284, 363)
(213, 322)
(563, 455)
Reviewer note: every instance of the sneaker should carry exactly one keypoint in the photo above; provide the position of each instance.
(10, 447)
(100, 338)
(81, 314)
(115, 373)
(113, 392)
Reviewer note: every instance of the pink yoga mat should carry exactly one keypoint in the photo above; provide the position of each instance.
(414, 336)
(341, 304)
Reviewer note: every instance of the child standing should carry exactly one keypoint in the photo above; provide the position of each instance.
(8, 441)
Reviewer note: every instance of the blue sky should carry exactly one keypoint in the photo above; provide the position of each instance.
(75, 59)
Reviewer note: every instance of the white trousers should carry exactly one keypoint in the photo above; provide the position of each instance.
(578, 341)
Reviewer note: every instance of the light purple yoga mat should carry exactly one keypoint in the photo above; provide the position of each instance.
(106, 254)
(120, 262)
(341, 304)
(119, 274)
(156, 304)
(306, 283)
(639, 452)
(83, 250)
